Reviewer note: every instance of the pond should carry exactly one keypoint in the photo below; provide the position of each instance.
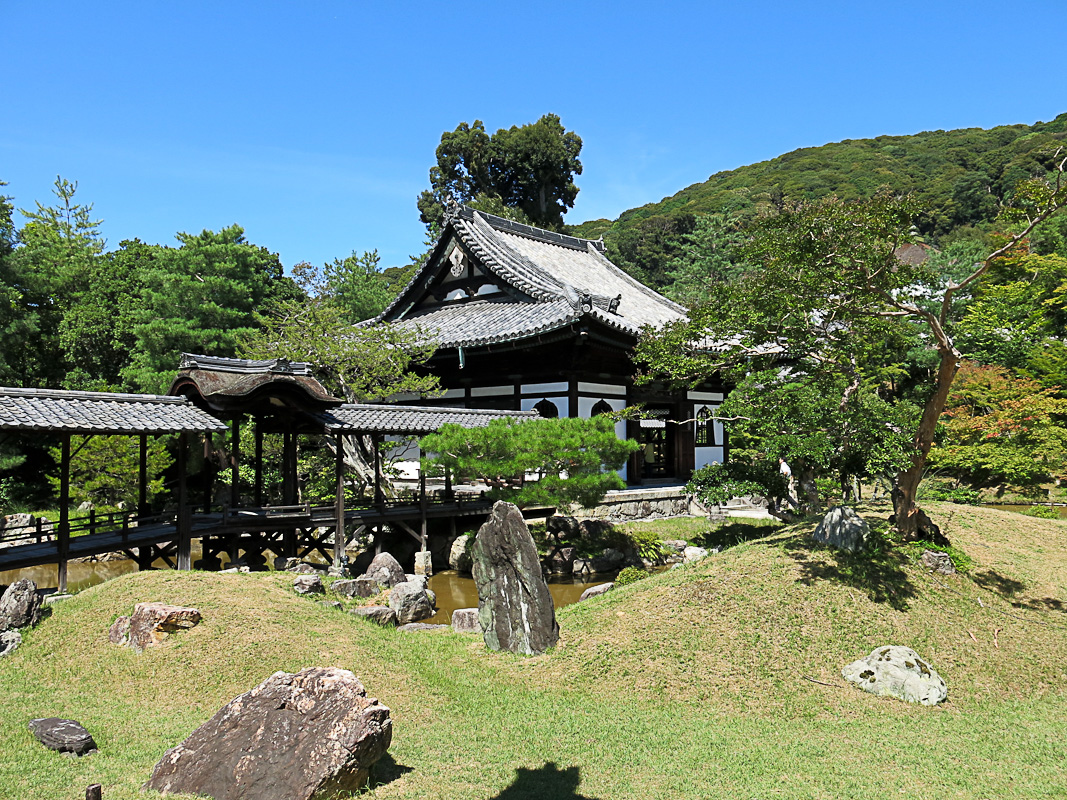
(1022, 509)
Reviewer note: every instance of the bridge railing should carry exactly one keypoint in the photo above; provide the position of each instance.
(43, 529)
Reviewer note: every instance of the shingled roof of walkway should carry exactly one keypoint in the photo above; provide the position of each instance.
(410, 420)
(60, 411)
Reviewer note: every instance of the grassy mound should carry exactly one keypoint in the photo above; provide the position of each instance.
(717, 679)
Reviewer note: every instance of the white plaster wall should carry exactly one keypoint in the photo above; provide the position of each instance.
(585, 411)
(559, 402)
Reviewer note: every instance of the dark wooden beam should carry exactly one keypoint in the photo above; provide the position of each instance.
(339, 509)
(142, 478)
(64, 512)
(184, 520)
(259, 463)
(235, 459)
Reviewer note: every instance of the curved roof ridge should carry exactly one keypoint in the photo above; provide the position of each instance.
(532, 232)
(636, 284)
(512, 266)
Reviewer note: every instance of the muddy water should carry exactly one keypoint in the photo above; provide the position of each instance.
(454, 591)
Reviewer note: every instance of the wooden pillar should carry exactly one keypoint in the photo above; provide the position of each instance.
(449, 495)
(339, 504)
(142, 477)
(289, 492)
(378, 496)
(64, 512)
(235, 458)
(422, 505)
(259, 464)
(184, 518)
(209, 480)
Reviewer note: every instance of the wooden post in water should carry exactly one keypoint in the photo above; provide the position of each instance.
(259, 464)
(94, 792)
(339, 507)
(184, 521)
(64, 512)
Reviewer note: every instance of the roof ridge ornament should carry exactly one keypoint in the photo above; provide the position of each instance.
(452, 209)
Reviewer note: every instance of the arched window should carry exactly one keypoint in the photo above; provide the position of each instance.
(601, 407)
(547, 409)
(705, 433)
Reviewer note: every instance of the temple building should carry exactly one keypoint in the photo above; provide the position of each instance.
(525, 318)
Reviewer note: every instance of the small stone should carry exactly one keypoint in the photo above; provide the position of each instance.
(693, 553)
(331, 604)
(595, 591)
(152, 623)
(422, 626)
(9, 642)
(63, 735)
(55, 598)
(356, 587)
(937, 561)
(308, 584)
(382, 615)
(465, 620)
(304, 568)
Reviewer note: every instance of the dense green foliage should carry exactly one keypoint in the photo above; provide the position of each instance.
(523, 172)
(553, 462)
(960, 178)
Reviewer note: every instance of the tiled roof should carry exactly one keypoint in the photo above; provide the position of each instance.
(100, 412)
(243, 365)
(560, 279)
(364, 418)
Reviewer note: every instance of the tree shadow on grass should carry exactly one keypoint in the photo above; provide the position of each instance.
(1010, 589)
(386, 770)
(879, 573)
(546, 782)
(732, 533)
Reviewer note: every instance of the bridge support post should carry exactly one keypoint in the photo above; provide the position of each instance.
(184, 522)
(142, 478)
(339, 509)
(64, 513)
(235, 459)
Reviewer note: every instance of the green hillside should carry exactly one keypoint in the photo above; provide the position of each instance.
(960, 176)
(718, 679)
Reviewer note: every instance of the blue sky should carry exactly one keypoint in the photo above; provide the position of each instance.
(314, 125)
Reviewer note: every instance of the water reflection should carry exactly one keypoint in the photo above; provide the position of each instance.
(454, 591)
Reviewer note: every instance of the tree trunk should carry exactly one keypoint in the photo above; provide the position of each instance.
(911, 521)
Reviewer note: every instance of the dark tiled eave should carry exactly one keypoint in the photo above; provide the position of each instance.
(59, 411)
(409, 420)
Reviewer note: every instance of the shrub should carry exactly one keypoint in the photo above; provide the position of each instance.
(646, 543)
(630, 575)
(1042, 512)
(959, 494)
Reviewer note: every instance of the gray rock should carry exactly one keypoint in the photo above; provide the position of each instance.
(356, 587)
(20, 522)
(582, 566)
(54, 599)
(20, 605)
(937, 561)
(410, 602)
(459, 555)
(422, 626)
(693, 553)
(561, 562)
(465, 620)
(386, 570)
(563, 528)
(675, 545)
(844, 529)
(63, 735)
(235, 570)
(421, 580)
(899, 672)
(9, 642)
(85, 506)
(424, 563)
(308, 584)
(594, 591)
(331, 604)
(304, 568)
(514, 606)
(431, 595)
(314, 734)
(383, 615)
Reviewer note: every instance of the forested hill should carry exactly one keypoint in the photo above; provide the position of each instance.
(961, 177)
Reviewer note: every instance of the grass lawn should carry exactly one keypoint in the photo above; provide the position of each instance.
(717, 679)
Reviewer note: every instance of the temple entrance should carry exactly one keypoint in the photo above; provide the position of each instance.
(657, 445)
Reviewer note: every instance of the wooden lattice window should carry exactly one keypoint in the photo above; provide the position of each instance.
(601, 407)
(547, 409)
(705, 431)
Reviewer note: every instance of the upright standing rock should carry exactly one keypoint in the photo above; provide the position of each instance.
(314, 734)
(514, 606)
(844, 529)
(20, 606)
(386, 570)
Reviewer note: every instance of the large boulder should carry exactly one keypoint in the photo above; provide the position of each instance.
(152, 623)
(897, 672)
(459, 555)
(411, 602)
(844, 529)
(63, 735)
(386, 570)
(563, 528)
(596, 591)
(313, 734)
(561, 562)
(514, 606)
(382, 615)
(308, 584)
(20, 605)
